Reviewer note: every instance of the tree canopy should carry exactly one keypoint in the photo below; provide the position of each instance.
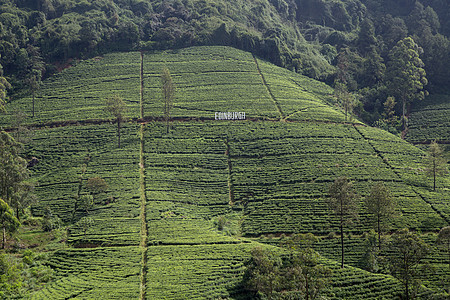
(13, 168)
(116, 107)
(406, 252)
(8, 221)
(406, 75)
(435, 162)
(342, 202)
(380, 205)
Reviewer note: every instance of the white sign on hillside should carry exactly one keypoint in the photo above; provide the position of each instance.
(229, 115)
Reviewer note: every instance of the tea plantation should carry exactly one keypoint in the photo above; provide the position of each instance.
(430, 120)
(182, 210)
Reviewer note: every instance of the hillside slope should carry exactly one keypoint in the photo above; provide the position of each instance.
(155, 232)
(430, 120)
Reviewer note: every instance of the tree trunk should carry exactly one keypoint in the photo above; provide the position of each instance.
(4, 237)
(33, 103)
(17, 213)
(167, 124)
(434, 174)
(306, 287)
(404, 114)
(345, 107)
(118, 130)
(448, 251)
(379, 232)
(142, 84)
(342, 241)
(407, 289)
(406, 278)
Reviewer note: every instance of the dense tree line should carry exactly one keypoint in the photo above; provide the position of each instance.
(308, 36)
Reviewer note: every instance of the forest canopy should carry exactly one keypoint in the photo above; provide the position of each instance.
(39, 37)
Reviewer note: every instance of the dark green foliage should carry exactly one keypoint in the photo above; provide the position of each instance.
(303, 258)
(263, 272)
(117, 108)
(444, 241)
(10, 279)
(276, 277)
(284, 32)
(369, 260)
(24, 274)
(405, 75)
(406, 252)
(96, 185)
(85, 223)
(4, 86)
(51, 221)
(343, 202)
(8, 221)
(13, 174)
(435, 162)
(380, 206)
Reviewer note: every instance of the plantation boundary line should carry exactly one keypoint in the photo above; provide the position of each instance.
(141, 94)
(298, 111)
(268, 89)
(143, 216)
(67, 123)
(79, 293)
(230, 168)
(427, 142)
(424, 199)
(80, 187)
(400, 177)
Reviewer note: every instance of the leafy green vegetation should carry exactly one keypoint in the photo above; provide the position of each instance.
(94, 273)
(176, 214)
(430, 120)
(307, 36)
(82, 153)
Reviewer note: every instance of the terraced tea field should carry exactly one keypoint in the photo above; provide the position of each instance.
(430, 120)
(209, 80)
(155, 230)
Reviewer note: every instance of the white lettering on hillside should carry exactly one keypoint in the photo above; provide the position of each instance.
(229, 115)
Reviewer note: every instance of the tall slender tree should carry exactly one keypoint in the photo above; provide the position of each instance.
(444, 241)
(13, 168)
(168, 91)
(341, 91)
(435, 162)
(343, 202)
(35, 70)
(117, 108)
(406, 77)
(380, 205)
(406, 253)
(4, 87)
(8, 221)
